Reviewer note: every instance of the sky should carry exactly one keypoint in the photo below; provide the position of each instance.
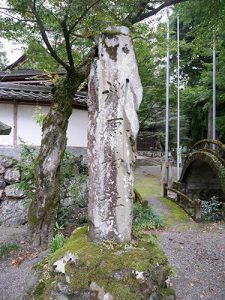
(13, 51)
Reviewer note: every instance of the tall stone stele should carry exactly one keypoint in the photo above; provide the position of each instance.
(115, 93)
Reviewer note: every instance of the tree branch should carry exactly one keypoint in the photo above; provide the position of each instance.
(18, 19)
(67, 36)
(83, 69)
(139, 14)
(83, 15)
(68, 45)
(45, 38)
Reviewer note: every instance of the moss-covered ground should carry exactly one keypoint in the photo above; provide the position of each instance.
(150, 187)
(101, 262)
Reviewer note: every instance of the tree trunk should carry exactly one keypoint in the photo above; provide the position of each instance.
(43, 209)
(115, 94)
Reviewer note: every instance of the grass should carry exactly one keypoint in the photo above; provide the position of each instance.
(149, 186)
(6, 249)
(178, 214)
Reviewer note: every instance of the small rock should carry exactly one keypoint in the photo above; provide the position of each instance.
(64, 288)
(163, 294)
(12, 191)
(13, 213)
(96, 292)
(12, 175)
(68, 279)
(2, 169)
(58, 296)
(139, 275)
(1, 194)
(2, 183)
(59, 265)
(6, 161)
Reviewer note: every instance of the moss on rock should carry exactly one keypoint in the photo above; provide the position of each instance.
(126, 271)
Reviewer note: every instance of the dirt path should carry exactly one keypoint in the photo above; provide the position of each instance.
(196, 251)
(17, 275)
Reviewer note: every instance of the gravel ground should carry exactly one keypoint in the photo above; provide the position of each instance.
(199, 261)
(17, 278)
(197, 253)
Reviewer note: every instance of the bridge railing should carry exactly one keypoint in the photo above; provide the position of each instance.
(211, 145)
(193, 207)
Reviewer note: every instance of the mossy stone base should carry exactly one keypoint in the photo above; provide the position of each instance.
(125, 271)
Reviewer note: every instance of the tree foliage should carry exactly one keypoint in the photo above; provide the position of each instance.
(199, 21)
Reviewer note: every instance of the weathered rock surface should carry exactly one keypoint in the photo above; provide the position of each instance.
(6, 162)
(12, 175)
(13, 213)
(2, 169)
(115, 95)
(13, 192)
(2, 183)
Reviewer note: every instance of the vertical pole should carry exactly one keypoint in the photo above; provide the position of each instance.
(167, 100)
(178, 99)
(214, 87)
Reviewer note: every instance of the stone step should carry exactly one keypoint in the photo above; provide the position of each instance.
(147, 161)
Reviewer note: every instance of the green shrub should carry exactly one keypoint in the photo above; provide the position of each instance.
(57, 242)
(7, 248)
(146, 218)
(78, 190)
(62, 216)
(26, 166)
(211, 209)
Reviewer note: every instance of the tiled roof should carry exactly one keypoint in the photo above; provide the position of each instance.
(34, 93)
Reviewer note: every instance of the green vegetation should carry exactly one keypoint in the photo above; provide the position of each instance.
(101, 262)
(71, 171)
(178, 214)
(57, 242)
(146, 218)
(149, 186)
(6, 249)
(212, 209)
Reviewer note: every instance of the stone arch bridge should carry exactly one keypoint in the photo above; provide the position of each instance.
(202, 177)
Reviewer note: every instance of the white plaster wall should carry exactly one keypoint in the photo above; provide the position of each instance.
(6, 116)
(28, 129)
(77, 129)
(30, 132)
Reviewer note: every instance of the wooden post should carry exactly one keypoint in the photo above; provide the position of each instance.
(198, 210)
(165, 190)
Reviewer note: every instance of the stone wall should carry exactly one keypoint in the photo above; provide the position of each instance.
(13, 210)
(14, 204)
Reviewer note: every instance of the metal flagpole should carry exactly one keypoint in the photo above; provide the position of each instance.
(167, 100)
(214, 87)
(178, 99)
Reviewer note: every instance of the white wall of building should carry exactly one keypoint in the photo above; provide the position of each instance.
(27, 128)
(30, 132)
(6, 116)
(77, 129)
